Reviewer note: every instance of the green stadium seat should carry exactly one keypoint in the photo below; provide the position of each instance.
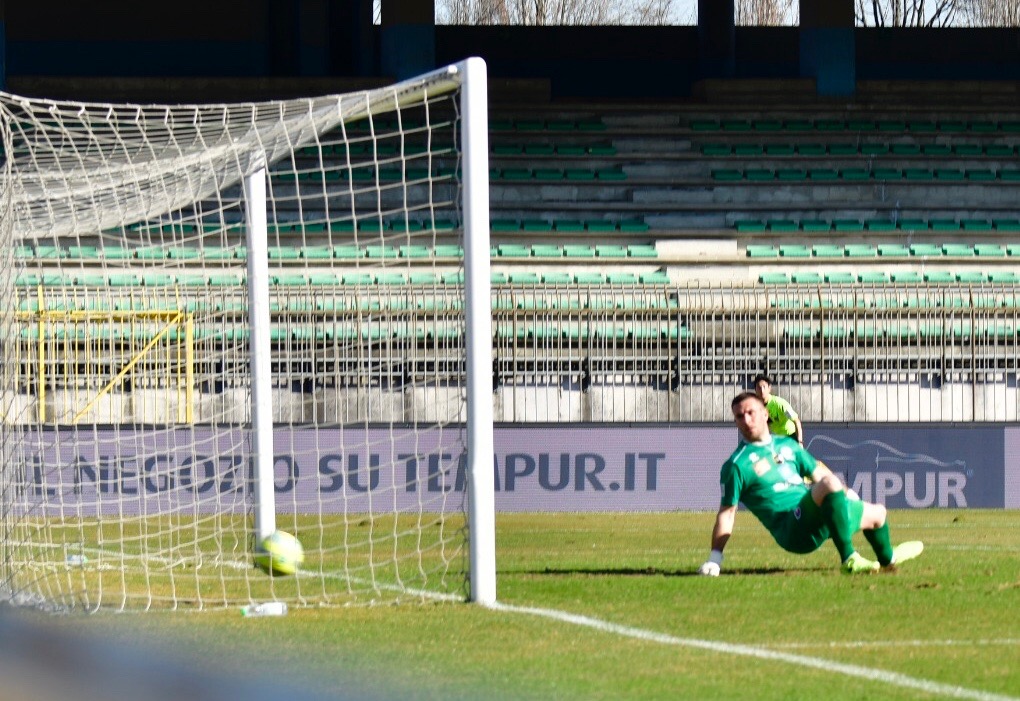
(774, 279)
(571, 226)
(827, 250)
(913, 225)
(880, 226)
(641, 251)
(976, 224)
(323, 279)
(794, 250)
(925, 249)
(873, 277)
(887, 174)
(814, 225)
(1009, 174)
(847, 225)
(225, 279)
(381, 252)
(780, 149)
(989, 250)
(211, 253)
(390, 279)
(860, 250)
(840, 278)
(762, 251)
(782, 225)
(1000, 150)
(557, 278)
(811, 149)
(980, 174)
(357, 279)
(578, 251)
(588, 278)
(1003, 276)
(937, 149)
(117, 253)
(536, 225)
(631, 226)
(749, 225)
(543, 250)
(905, 149)
(871, 148)
(183, 253)
(759, 174)
(621, 278)
(289, 280)
(957, 249)
(791, 174)
(939, 276)
(944, 224)
(413, 251)
(80, 252)
(448, 250)
(971, 277)
(284, 253)
(610, 251)
(600, 226)
(807, 278)
(656, 277)
(513, 250)
(714, 149)
(823, 174)
(886, 250)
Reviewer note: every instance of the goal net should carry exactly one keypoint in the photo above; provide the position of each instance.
(222, 320)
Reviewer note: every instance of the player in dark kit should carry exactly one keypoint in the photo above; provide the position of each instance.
(766, 473)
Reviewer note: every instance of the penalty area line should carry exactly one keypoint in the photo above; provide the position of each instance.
(856, 671)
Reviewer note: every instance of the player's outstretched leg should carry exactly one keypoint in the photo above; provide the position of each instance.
(903, 552)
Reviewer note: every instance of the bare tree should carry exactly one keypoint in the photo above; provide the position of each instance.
(908, 13)
(992, 13)
(554, 12)
(766, 13)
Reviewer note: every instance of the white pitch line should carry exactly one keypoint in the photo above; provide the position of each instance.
(865, 673)
(902, 643)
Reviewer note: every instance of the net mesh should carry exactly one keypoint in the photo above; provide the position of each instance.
(126, 395)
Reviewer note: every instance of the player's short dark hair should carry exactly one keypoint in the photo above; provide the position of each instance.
(745, 395)
(762, 378)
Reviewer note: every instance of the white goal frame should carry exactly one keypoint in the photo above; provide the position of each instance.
(59, 211)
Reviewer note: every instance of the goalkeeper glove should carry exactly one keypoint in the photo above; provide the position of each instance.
(712, 566)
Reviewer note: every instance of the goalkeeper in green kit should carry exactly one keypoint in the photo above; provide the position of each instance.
(766, 473)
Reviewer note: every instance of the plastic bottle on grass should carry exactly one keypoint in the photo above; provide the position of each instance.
(269, 608)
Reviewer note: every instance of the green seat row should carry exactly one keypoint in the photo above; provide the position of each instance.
(864, 148)
(890, 250)
(881, 277)
(606, 331)
(876, 225)
(826, 124)
(866, 174)
(329, 278)
(374, 148)
(556, 174)
(568, 225)
(597, 149)
(902, 331)
(513, 250)
(536, 124)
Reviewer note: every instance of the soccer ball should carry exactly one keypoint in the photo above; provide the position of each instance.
(280, 553)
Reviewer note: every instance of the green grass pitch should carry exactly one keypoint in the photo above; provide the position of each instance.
(773, 626)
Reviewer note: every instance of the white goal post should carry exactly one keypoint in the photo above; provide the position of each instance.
(219, 320)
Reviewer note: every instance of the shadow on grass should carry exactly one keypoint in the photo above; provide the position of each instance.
(657, 572)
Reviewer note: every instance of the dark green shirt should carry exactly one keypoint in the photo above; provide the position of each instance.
(767, 477)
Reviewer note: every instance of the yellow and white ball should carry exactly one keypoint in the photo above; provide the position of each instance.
(280, 553)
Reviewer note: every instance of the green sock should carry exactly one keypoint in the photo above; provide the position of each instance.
(879, 539)
(837, 516)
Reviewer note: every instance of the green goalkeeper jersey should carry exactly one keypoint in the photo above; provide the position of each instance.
(767, 477)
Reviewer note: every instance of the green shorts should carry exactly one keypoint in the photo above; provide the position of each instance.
(804, 530)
